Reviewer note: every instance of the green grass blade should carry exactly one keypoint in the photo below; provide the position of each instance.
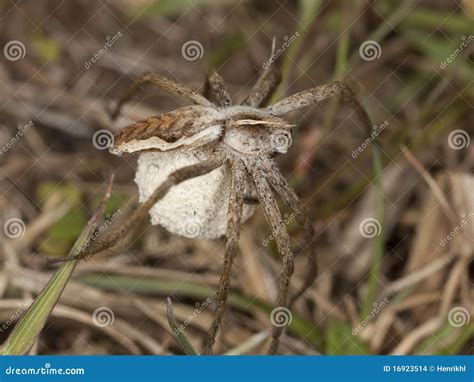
(309, 9)
(341, 341)
(148, 285)
(378, 241)
(27, 331)
(186, 345)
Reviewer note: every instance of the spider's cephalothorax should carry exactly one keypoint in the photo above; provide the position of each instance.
(190, 135)
(200, 167)
(265, 136)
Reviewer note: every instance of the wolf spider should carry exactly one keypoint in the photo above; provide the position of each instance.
(238, 140)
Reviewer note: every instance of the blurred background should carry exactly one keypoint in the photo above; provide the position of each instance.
(393, 212)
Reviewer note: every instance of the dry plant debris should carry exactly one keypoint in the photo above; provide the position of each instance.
(388, 203)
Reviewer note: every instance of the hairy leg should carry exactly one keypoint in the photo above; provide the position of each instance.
(281, 186)
(318, 94)
(273, 216)
(173, 179)
(163, 83)
(248, 199)
(266, 84)
(215, 89)
(234, 217)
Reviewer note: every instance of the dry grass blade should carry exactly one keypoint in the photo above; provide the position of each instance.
(27, 331)
(250, 344)
(389, 197)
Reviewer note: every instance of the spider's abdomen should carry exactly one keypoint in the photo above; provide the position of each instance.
(194, 208)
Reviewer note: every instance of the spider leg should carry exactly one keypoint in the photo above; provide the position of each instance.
(318, 94)
(249, 199)
(274, 219)
(266, 84)
(173, 179)
(215, 89)
(163, 83)
(281, 186)
(234, 217)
